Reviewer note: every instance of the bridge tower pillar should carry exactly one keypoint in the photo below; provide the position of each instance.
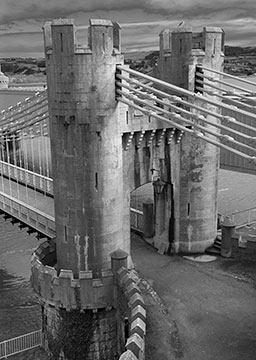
(196, 178)
(80, 316)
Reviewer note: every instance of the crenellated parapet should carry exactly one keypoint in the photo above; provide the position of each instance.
(181, 49)
(62, 290)
(135, 344)
(103, 36)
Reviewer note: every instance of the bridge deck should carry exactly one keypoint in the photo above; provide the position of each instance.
(29, 196)
(27, 205)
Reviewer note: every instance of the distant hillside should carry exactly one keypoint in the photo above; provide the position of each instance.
(136, 55)
(240, 51)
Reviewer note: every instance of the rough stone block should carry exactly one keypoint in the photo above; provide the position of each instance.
(67, 293)
(85, 274)
(138, 326)
(125, 280)
(138, 312)
(135, 300)
(136, 344)
(131, 289)
(128, 355)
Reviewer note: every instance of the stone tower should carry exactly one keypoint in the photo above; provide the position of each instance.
(195, 186)
(80, 318)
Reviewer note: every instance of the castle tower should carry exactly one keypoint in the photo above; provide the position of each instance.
(77, 293)
(196, 179)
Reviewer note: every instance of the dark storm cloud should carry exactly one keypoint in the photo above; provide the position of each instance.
(13, 10)
(141, 20)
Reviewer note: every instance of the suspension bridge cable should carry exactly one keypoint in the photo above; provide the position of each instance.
(188, 122)
(186, 112)
(176, 98)
(228, 75)
(210, 78)
(185, 129)
(232, 101)
(15, 118)
(20, 104)
(182, 91)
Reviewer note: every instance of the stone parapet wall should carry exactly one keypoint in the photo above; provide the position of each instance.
(135, 345)
(63, 290)
(243, 247)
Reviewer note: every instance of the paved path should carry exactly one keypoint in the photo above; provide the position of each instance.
(212, 305)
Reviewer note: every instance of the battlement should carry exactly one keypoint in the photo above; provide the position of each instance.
(103, 37)
(65, 291)
(183, 40)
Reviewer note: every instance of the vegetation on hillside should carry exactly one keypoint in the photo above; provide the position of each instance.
(238, 61)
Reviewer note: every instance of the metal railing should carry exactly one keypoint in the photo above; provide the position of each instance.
(136, 220)
(20, 343)
(31, 216)
(27, 177)
(243, 217)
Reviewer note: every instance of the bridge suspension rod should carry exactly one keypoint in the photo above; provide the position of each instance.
(26, 109)
(194, 124)
(223, 97)
(21, 126)
(210, 78)
(176, 98)
(23, 119)
(182, 91)
(19, 104)
(229, 76)
(185, 129)
(186, 112)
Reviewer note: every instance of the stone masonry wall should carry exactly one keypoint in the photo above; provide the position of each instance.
(243, 247)
(131, 301)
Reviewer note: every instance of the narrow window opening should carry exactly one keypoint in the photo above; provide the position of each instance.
(61, 42)
(180, 45)
(127, 117)
(188, 209)
(65, 234)
(126, 328)
(214, 46)
(103, 41)
(96, 181)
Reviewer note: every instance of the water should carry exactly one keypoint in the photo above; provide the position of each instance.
(19, 309)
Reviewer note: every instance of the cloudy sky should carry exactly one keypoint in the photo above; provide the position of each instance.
(21, 21)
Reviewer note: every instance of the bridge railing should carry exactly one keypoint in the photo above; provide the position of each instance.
(136, 220)
(27, 214)
(20, 344)
(244, 217)
(27, 177)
